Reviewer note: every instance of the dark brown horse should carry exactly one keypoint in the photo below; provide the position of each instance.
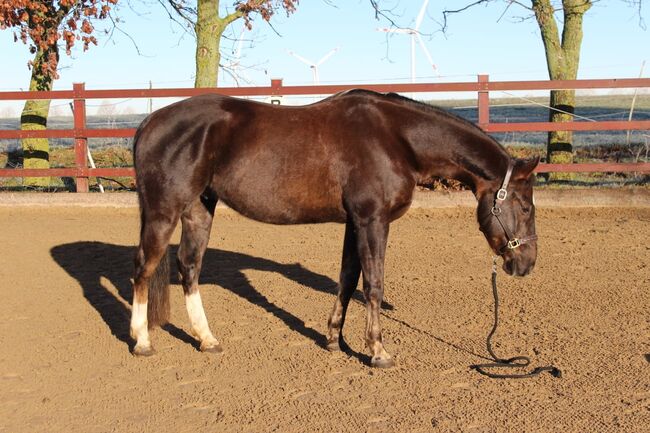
(353, 158)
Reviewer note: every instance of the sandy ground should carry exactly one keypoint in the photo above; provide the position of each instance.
(65, 364)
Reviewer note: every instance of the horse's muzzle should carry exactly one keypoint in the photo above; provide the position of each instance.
(517, 265)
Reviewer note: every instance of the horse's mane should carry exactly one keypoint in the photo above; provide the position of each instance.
(428, 108)
(418, 105)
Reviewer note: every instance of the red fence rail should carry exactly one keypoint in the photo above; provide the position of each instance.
(482, 87)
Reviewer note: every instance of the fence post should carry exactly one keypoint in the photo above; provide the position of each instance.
(276, 86)
(80, 141)
(483, 101)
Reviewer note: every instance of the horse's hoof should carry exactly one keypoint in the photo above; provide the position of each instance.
(378, 362)
(143, 350)
(333, 346)
(211, 348)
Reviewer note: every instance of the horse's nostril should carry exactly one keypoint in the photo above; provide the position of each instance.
(513, 268)
(509, 267)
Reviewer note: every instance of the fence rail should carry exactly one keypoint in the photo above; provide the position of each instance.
(482, 87)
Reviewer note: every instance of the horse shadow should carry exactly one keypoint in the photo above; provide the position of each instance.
(92, 264)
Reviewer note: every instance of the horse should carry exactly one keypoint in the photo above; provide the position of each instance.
(353, 158)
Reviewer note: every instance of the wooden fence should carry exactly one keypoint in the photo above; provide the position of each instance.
(482, 87)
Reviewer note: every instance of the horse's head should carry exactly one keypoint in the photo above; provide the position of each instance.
(506, 215)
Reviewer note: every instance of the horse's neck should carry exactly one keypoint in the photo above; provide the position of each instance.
(453, 149)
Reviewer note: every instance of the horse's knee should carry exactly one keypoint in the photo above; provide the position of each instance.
(374, 293)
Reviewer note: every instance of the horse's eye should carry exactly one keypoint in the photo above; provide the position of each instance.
(525, 209)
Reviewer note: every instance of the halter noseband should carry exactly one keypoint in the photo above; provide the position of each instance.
(501, 196)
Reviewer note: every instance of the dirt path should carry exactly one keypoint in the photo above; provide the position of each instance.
(65, 364)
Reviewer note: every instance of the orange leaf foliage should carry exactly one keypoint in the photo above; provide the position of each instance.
(265, 8)
(44, 24)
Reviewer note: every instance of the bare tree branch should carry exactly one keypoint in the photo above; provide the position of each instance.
(386, 14)
(520, 4)
(186, 13)
(233, 17)
(119, 29)
(639, 4)
(448, 12)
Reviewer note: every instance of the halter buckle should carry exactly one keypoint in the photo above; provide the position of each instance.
(502, 194)
(515, 243)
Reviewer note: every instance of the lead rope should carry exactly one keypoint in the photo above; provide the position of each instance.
(515, 361)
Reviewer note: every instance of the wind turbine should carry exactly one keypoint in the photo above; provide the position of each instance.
(415, 38)
(312, 65)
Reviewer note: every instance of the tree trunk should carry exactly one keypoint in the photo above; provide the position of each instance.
(209, 27)
(562, 59)
(36, 151)
(559, 149)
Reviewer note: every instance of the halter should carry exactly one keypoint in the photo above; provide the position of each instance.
(501, 196)
(513, 242)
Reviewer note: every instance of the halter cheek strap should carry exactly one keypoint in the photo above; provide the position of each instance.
(501, 196)
(502, 193)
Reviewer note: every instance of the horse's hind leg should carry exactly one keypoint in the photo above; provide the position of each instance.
(154, 239)
(196, 221)
(350, 271)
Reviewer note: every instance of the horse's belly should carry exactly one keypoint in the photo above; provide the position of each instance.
(284, 203)
(284, 212)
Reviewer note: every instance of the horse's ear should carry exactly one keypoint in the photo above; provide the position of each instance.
(524, 167)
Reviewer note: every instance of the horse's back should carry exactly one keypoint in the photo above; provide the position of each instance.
(285, 165)
(274, 164)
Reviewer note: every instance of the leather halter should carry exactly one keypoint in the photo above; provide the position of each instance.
(501, 196)
(513, 242)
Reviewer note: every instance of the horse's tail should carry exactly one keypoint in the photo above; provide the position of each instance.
(158, 285)
(158, 302)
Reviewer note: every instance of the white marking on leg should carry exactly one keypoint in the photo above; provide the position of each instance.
(139, 325)
(198, 321)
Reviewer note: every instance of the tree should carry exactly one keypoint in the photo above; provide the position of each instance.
(562, 52)
(562, 59)
(43, 25)
(208, 27)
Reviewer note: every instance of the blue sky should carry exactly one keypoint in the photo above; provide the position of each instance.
(476, 42)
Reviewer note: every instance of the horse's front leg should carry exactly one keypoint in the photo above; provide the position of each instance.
(372, 235)
(350, 271)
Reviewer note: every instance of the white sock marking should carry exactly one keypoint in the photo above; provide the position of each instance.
(139, 325)
(198, 321)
